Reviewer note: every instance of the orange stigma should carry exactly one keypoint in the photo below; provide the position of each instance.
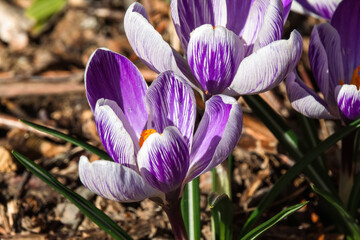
(355, 79)
(144, 135)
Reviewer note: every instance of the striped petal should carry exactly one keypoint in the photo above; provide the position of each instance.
(287, 6)
(348, 98)
(164, 160)
(322, 8)
(116, 135)
(267, 67)
(114, 181)
(265, 21)
(305, 100)
(149, 45)
(188, 15)
(272, 27)
(326, 61)
(346, 21)
(111, 76)
(214, 55)
(217, 135)
(171, 102)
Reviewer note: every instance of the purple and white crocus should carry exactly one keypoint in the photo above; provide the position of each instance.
(334, 55)
(231, 47)
(148, 132)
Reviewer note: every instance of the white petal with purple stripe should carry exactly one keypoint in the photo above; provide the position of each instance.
(114, 181)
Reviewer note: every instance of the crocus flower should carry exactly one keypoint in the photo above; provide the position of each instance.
(148, 132)
(231, 47)
(334, 55)
(320, 8)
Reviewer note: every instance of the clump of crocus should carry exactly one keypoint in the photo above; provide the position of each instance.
(231, 47)
(321, 8)
(148, 132)
(334, 55)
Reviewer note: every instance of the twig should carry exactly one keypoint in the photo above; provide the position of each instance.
(9, 122)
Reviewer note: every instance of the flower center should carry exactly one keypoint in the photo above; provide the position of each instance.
(355, 80)
(144, 135)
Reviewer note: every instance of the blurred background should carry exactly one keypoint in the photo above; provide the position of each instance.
(44, 48)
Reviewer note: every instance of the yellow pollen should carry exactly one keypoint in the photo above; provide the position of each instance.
(144, 135)
(355, 79)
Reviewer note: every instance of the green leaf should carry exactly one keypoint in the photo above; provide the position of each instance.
(271, 222)
(288, 139)
(354, 198)
(103, 155)
(222, 210)
(295, 170)
(354, 228)
(190, 209)
(42, 10)
(221, 177)
(86, 207)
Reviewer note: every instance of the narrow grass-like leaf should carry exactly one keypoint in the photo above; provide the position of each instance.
(42, 10)
(288, 139)
(271, 222)
(294, 171)
(102, 154)
(86, 207)
(354, 198)
(311, 136)
(222, 211)
(190, 209)
(354, 228)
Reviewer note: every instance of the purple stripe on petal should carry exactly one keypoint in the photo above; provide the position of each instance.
(305, 100)
(214, 56)
(272, 27)
(287, 7)
(267, 67)
(217, 135)
(164, 159)
(348, 98)
(171, 102)
(113, 134)
(346, 20)
(188, 15)
(326, 61)
(323, 8)
(114, 181)
(149, 45)
(254, 23)
(111, 76)
(237, 13)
